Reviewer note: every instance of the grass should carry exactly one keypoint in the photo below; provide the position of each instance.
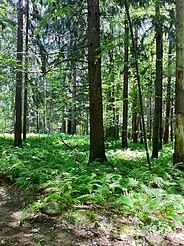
(63, 179)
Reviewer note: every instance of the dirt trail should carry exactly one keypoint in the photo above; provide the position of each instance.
(40, 231)
(43, 230)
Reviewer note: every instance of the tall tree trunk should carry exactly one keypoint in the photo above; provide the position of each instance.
(37, 119)
(63, 122)
(141, 133)
(18, 97)
(125, 89)
(69, 122)
(115, 115)
(135, 105)
(63, 113)
(179, 133)
(149, 121)
(97, 146)
(157, 125)
(172, 116)
(168, 100)
(45, 106)
(26, 74)
(134, 120)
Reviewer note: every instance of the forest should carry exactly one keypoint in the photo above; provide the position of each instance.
(91, 122)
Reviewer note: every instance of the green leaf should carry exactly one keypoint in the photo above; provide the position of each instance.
(124, 200)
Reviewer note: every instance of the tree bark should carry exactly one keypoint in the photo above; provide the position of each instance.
(172, 116)
(18, 96)
(134, 120)
(125, 89)
(63, 109)
(157, 125)
(135, 105)
(141, 133)
(179, 89)
(97, 146)
(149, 122)
(69, 123)
(26, 74)
(168, 100)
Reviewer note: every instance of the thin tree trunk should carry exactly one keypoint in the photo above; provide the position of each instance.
(168, 100)
(69, 123)
(125, 89)
(45, 107)
(149, 121)
(135, 105)
(134, 120)
(63, 123)
(141, 133)
(63, 113)
(37, 119)
(172, 116)
(157, 125)
(115, 114)
(26, 74)
(97, 146)
(18, 97)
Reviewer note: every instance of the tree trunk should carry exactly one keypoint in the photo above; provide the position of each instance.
(125, 90)
(26, 74)
(45, 107)
(172, 116)
(37, 119)
(135, 105)
(141, 133)
(63, 122)
(149, 121)
(115, 115)
(168, 100)
(179, 108)
(63, 109)
(134, 120)
(97, 146)
(18, 97)
(157, 125)
(69, 125)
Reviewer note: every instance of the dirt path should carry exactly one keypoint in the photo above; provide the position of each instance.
(39, 231)
(42, 230)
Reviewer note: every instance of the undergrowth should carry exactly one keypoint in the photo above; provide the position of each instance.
(57, 168)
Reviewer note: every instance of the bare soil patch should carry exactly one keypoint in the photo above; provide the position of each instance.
(44, 230)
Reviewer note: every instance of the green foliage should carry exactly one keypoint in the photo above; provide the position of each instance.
(47, 166)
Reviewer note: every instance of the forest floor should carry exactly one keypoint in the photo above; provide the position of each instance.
(45, 230)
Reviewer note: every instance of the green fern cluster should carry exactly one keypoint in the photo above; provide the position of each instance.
(50, 165)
